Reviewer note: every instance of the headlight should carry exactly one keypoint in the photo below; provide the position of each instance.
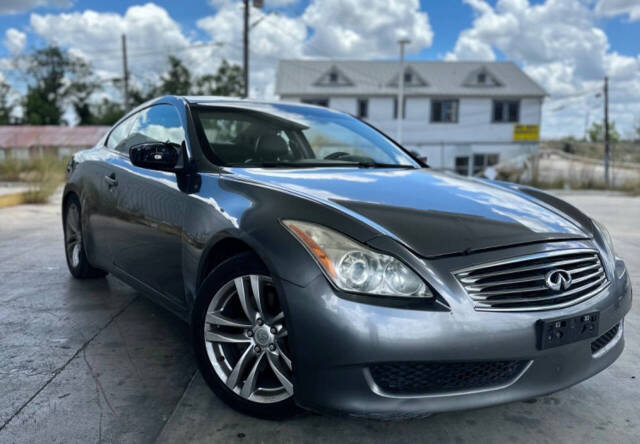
(606, 235)
(354, 267)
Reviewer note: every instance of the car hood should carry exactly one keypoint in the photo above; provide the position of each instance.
(432, 213)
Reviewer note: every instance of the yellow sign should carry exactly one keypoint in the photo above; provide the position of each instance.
(526, 132)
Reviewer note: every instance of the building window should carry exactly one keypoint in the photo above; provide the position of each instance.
(462, 165)
(482, 77)
(444, 110)
(395, 107)
(20, 153)
(363, 108)
(64, 152)
(408, 77)
(483, 161)
(506, 110)
(317, 101)
(333, 77)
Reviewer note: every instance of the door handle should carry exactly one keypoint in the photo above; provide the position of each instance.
(111, 180)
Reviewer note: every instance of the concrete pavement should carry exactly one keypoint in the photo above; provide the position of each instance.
(94, 361)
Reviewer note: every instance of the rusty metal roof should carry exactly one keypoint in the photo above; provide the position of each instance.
(26, 136)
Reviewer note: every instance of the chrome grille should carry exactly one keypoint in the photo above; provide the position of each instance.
(519, 284)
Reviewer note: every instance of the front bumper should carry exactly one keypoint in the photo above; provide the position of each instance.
(334, 341)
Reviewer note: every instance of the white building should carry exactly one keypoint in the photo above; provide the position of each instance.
(462, 116)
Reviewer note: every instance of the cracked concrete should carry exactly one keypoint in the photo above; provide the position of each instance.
(93, 361)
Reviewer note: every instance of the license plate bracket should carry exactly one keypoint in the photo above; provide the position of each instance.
(566, 330)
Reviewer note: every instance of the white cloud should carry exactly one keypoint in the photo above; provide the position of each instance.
(151, 35)
(611, 8)
(279, 3)
(559, 45)
(17, 6)
(351, 28)
(275, 36)
(341, 29)
(336, 28)
(15, 40)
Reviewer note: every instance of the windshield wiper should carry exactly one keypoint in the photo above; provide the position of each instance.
(324, 164)
(297, 164)
(383, 165)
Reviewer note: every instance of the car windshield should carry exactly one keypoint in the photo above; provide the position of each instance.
(280, 135)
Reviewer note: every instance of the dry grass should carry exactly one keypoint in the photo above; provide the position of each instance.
(630, 187)
(43, 175)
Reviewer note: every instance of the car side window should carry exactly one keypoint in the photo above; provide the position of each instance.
(119, 133)
(159, 123)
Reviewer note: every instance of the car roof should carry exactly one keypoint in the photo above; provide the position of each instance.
(245, 103)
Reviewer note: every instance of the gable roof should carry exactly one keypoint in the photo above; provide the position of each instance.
(298, 77)
(25, 136)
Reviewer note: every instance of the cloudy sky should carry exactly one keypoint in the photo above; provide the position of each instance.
(568, 46)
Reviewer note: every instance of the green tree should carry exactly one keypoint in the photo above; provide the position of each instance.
(5, 104)
(82, 85)
(143, 93)
(46, 69)
(177, 80)
(596, 132)
(227, 81)
(106, 112)
(56, 79)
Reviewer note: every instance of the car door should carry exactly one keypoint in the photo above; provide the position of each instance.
(149, 208)
(98, 189)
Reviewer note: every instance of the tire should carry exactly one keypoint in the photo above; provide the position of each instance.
(246, 363)
(77, 261)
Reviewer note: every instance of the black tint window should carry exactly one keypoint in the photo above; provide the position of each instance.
(159, 123)
(462, 165)
(513, 111)
(506, 110)
(444, 110)
(363, 108)
(395, 107)
(482, 161)
(497, 111)
(119, 133)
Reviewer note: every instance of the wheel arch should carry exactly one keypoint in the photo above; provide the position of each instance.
(219, 250)
(66, 195)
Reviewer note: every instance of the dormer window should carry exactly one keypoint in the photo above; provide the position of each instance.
(482, 77)
(411, 79)
(333, 77)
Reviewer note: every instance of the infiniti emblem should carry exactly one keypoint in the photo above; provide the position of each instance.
(262, 336)
(558, 279)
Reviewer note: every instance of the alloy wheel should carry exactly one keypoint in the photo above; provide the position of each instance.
(246, 340)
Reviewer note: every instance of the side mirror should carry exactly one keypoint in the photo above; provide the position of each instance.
(155, 156)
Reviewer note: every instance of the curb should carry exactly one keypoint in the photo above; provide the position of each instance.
(10, 200)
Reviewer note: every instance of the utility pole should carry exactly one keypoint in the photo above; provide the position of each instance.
(607, 148)
(125, 73)
(246, 49)
(400, 110)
